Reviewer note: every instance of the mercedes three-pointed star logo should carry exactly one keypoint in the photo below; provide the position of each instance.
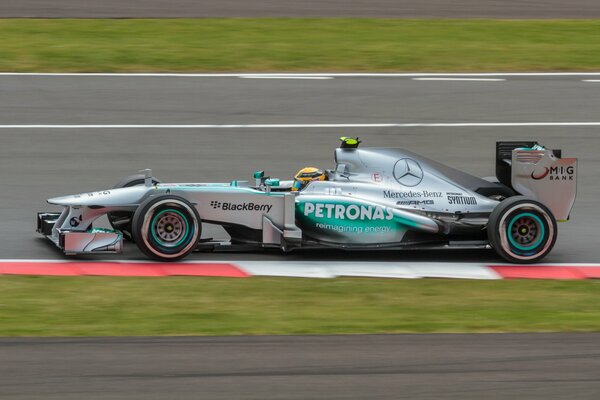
(408, 172)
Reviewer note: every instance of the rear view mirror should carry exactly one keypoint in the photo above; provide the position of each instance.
(258, 176)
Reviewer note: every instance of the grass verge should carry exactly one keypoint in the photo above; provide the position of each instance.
(97, 306)
(298, 45)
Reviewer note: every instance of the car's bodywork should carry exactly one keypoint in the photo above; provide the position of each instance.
(373, 198)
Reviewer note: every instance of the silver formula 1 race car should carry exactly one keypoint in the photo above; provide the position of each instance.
(374, 198)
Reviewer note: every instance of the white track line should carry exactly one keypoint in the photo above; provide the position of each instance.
(286, 126)
(461, 79)
(282, 77)
(591, 80)
(406, 270)
(335, 74)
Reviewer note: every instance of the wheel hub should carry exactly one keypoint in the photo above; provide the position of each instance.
(169, 228)
(525, 231)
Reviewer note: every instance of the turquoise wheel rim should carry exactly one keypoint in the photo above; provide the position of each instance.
(170, 238)
(521, 226)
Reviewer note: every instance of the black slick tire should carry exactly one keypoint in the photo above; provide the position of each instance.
(522, 230)
(166, 228)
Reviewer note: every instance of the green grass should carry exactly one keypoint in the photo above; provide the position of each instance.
(96, 306)
(298, 45)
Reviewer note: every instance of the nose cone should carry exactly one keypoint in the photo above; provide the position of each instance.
(105, 198)
(66, 200)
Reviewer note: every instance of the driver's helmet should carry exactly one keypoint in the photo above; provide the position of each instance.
(307, 175)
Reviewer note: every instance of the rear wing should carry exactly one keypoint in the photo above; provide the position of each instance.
(539, 173)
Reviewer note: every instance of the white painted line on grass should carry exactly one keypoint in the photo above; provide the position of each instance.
(334, 74)
(283, 77)
(288, 126)
(460, 79)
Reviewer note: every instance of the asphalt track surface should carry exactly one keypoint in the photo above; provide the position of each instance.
(45, 162)
(36, 164)
(490, 366)
(296, 8)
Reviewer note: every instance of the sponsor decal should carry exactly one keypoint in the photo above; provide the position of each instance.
(227, 206)
(376, 177)
(540, 175)
(347, 212)
(462, 200)
(557, 173)
(408, 172)
(102, 193)
(389, 194)
(415, 202)
(354, 229)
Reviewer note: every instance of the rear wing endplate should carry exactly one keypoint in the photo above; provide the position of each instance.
(539, 173)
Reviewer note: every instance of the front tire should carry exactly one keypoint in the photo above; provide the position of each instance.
(522, 230)
(166, 228)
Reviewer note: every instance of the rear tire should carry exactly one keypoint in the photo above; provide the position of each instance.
(522, 230)
(121, 220)
(166, 228)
